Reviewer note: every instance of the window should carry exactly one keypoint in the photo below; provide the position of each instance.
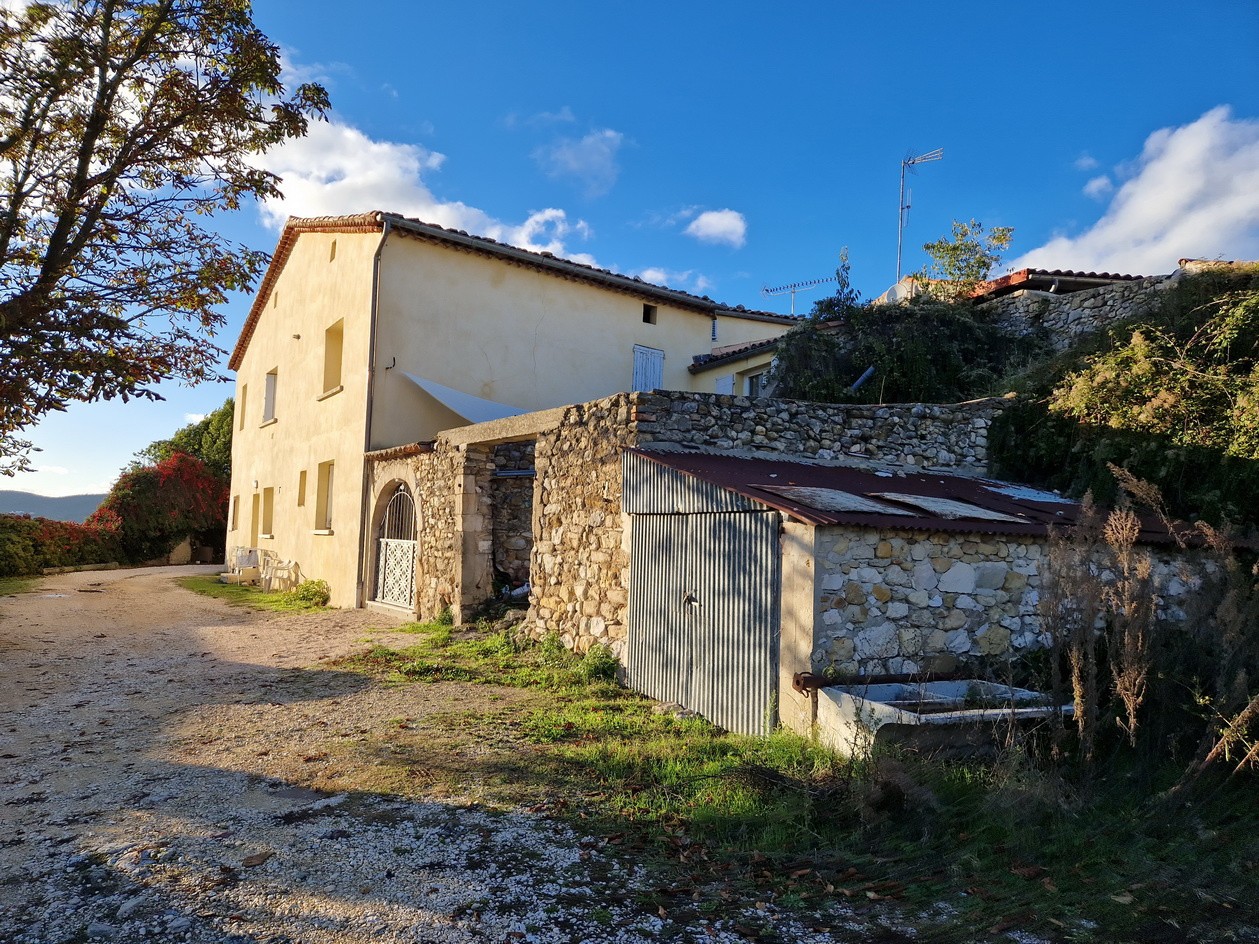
(648, 368)
(240, 406)
(332, 253)
(235, 512)
(333, 341)
(323, 498)
(268, 512)
(714, 329)
(756, 384)
(268, 396)
(301, 488)
(649, 314)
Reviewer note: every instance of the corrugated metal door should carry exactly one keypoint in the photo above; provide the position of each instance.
(704, 614)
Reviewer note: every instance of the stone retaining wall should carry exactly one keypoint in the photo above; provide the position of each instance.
(1067, 318)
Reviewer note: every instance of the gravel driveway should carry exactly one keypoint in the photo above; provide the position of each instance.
(158, 783)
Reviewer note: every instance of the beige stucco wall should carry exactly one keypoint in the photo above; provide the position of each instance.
(735, 371)
(516, 336)
(310, 295)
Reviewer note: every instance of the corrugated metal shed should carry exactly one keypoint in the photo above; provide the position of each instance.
(823, 494)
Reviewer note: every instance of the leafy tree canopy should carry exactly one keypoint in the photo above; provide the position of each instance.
(209, 440)
(123, 125)
(963, 259)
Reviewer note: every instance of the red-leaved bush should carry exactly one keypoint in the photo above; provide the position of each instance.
(151, 509)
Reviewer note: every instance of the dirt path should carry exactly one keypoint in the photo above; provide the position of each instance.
(170, 771)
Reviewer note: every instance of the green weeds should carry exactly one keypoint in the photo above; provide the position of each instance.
(967, 851)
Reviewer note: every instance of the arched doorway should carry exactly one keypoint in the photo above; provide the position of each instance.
(395, 551)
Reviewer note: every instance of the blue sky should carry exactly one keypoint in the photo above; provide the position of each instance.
(723, 147)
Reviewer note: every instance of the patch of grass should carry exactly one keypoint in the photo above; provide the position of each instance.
(968, 851)
(10, 585)
(252, 597)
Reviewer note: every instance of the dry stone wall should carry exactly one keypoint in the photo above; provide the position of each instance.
(945, 436)
(892, 603)
(1068, 318)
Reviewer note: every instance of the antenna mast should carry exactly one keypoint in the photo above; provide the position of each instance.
(935, 155)
(793, 287)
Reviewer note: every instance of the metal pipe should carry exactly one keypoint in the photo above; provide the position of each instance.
(869, 372)
(360, 593)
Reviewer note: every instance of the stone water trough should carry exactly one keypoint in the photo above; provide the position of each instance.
(955, 718)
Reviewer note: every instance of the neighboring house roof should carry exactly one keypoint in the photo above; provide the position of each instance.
(892, 498)
(376, 220)
(1058, 281)
(731, 352)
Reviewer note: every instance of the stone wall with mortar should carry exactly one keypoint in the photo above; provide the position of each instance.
(511, 501)
(900, 602)
(1067, 318)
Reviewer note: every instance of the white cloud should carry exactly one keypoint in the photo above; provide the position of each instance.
(1086, 162)
(687, 280)
(591, 160)
(194, 417)
(719, 226)
(1192, 193)
(1098, 187)
(54, 469)
(337, 170)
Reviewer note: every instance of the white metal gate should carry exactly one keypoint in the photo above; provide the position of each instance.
(395, 555)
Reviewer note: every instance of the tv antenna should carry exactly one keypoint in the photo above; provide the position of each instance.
(792, 287)
(909, 163)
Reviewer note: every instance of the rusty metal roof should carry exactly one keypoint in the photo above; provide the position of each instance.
(900, 499)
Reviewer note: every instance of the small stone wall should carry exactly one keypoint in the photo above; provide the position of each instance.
(946, 436)
(1067, 318)
(511, 497)
(900, 602)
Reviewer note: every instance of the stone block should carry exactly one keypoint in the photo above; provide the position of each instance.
(883, 549)
(925, 577)
(994, 641)
(877, 642)
(854, 593)
(960, 578)
(897, 609)
(881, 593)
(954, 619)
(990, 576)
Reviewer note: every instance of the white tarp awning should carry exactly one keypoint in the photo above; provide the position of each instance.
(473, 409)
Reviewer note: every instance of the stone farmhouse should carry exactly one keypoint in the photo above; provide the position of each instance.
(722, 544)
(372, 331)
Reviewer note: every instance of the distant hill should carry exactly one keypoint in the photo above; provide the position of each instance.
(66, 508)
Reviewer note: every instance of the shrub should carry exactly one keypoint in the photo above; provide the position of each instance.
(151, 509)
(310, 593)
(28, 545)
